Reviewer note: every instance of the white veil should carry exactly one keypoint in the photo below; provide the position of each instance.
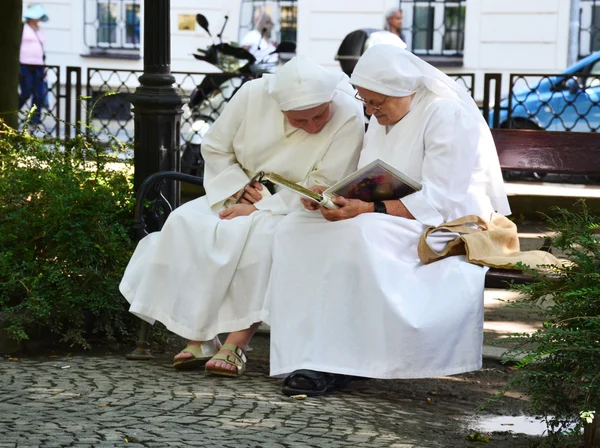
(302, 83)
(393, 71)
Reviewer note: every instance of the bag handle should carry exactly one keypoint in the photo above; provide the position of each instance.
(458, 225)
(455, 247)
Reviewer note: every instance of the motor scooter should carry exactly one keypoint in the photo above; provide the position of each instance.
(208, 99)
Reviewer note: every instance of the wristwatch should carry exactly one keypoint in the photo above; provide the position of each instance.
(379, 207)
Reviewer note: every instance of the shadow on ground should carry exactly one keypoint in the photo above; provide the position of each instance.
(98, 398)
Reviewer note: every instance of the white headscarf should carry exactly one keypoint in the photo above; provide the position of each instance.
(302, 83)
(393, 71)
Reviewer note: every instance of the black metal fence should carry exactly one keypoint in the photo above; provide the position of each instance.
(102, 104)
(465, 80)
(554, 102)
(98, 100)
(109, 110)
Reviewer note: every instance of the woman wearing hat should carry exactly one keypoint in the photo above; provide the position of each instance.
(32, 58)
(206, 272)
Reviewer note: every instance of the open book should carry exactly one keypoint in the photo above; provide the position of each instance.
(377, 181)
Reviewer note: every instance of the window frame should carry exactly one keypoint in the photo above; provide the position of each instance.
(589, 27)
(437, 29)
(274, 9)
(98, 26)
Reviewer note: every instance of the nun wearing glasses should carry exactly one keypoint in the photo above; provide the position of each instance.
(348, 296)
(206, 271)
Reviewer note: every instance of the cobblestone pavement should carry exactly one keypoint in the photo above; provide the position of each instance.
(107, 401)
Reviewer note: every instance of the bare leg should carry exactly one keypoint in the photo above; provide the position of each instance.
(239, 338)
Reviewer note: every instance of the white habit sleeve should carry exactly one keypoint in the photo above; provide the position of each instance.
(223, 175)
(450, 153)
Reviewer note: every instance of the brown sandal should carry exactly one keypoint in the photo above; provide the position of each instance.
(232, 355)
(200, 354)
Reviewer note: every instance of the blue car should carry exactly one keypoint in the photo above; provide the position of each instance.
(556, 103)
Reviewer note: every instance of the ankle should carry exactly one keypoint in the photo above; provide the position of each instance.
(241, 345)
(242, 338)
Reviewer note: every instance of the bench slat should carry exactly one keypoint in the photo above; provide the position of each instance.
(501, 278)
(575, 153)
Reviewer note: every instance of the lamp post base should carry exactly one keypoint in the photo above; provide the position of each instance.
(141, 352)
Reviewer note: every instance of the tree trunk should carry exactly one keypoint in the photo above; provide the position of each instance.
(10, 43)
(591, 432)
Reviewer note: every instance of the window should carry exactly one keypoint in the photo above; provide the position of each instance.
(422, 28)
(282, 12)
(288, 23)
(589, 27)
(454, 28)
(107, 23)
(112, 26)
(132, 24)
(434, 27)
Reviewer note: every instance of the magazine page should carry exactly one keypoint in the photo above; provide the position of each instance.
(377, 181)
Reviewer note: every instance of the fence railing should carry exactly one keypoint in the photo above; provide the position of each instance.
(100, 99)
(109, 99)
(102, 103)
(434, 28)
(553, 102)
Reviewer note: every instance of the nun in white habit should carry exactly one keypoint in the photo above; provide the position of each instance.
(206, 272)
(348, 295)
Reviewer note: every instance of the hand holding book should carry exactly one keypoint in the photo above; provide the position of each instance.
(377, 181)
(309, 204)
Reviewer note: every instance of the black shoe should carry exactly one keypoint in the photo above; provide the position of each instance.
(312, 383)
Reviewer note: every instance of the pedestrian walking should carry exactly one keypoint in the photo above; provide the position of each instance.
(32, 77)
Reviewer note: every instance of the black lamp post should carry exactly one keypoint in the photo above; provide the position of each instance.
(157, 116)
(157, 106)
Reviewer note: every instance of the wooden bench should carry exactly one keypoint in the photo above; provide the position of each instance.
(572, 153)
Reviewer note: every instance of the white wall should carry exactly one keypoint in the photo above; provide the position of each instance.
(515, 36)
(184, 43)
(64, 33)
(501, 35)
(66, 46)
(323, 24)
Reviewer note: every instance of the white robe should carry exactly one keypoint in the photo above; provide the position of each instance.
(352, 297)
(201, 276)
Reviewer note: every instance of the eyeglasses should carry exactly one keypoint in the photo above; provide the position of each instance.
(372, 106)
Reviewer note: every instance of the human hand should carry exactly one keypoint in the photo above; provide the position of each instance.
(312, 205)
(251, 193)
(348, 208)
(237, 210)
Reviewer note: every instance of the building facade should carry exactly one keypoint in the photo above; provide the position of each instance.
(458, 36)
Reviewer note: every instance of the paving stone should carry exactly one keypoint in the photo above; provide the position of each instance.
(100, 401)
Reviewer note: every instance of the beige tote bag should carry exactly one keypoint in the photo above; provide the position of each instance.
(494, 243)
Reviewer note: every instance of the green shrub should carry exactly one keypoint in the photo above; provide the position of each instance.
(561, 365)
(65, 220)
